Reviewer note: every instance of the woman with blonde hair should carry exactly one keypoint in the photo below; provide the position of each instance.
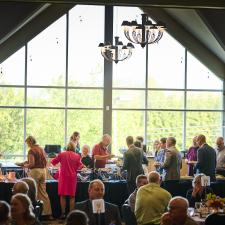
(22, 211)
(37, 170)
(69, 164)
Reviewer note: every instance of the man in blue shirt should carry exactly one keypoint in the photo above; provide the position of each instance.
(160, 156)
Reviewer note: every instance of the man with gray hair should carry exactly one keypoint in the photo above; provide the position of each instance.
(100, 152)
(141, 180)
(172, 163)
(20, 187)
(177, 213)
(151, 201)
(220, 156)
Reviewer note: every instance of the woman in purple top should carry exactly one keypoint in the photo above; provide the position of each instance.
(191, 157)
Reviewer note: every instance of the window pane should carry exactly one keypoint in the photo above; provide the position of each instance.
(13, 75)
(131, 72)
(121, 129)
(88, 123)
(46, 97)
(11, 131)
(166, 99)
(166, 63)
(128, 99)
(204, 100)
(199, 76)
(165, 124)
(85, 98)
(46, 125)
(207, 123)
(47, 56)
(12, 96)
(86, 31)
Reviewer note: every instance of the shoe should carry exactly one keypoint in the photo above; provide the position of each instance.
(62, 217)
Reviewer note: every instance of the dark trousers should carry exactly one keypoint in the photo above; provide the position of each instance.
(131, 186)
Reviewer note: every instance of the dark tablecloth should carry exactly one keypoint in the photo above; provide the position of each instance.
(115, 192)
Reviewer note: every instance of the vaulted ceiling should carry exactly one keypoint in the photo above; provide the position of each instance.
(204, 22)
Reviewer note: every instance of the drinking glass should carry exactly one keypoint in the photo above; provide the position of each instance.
(197, 206)
(191, 211)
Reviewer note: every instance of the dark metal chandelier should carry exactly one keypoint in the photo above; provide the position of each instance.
(144, 33)
(117, 52)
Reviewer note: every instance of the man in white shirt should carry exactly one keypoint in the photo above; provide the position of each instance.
(220, 153)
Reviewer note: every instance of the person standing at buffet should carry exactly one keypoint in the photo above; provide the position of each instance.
(85, 158)
(191, 157)
(69, 164)
(206, 158)
(100, 152)
(75, 137)
(37, 170)
(132, 162)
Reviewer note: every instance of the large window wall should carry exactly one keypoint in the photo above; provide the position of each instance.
(163, 91)
(54, 85)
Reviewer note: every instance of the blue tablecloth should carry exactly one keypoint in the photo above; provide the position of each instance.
(115, 192)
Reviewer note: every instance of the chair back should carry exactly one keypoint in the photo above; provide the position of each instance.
(38, 208)
(215, 219)
(128, 215)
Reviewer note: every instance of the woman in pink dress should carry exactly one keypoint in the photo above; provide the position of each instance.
(69, 164)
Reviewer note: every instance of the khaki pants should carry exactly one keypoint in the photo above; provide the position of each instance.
(39, 175)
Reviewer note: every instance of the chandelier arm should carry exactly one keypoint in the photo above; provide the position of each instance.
(106, 57)
(159, 36)
(127, 35)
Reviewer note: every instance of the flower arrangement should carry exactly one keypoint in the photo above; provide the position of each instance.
(214, 201)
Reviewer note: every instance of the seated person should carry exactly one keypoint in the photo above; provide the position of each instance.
(198, 192)
(85, 158)
(32, 192)
(21, 210)
(151, 201)
(77, 217)
(20, 187)
(177, 214)
(141, 180)
(96, 190)
(4, 213)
